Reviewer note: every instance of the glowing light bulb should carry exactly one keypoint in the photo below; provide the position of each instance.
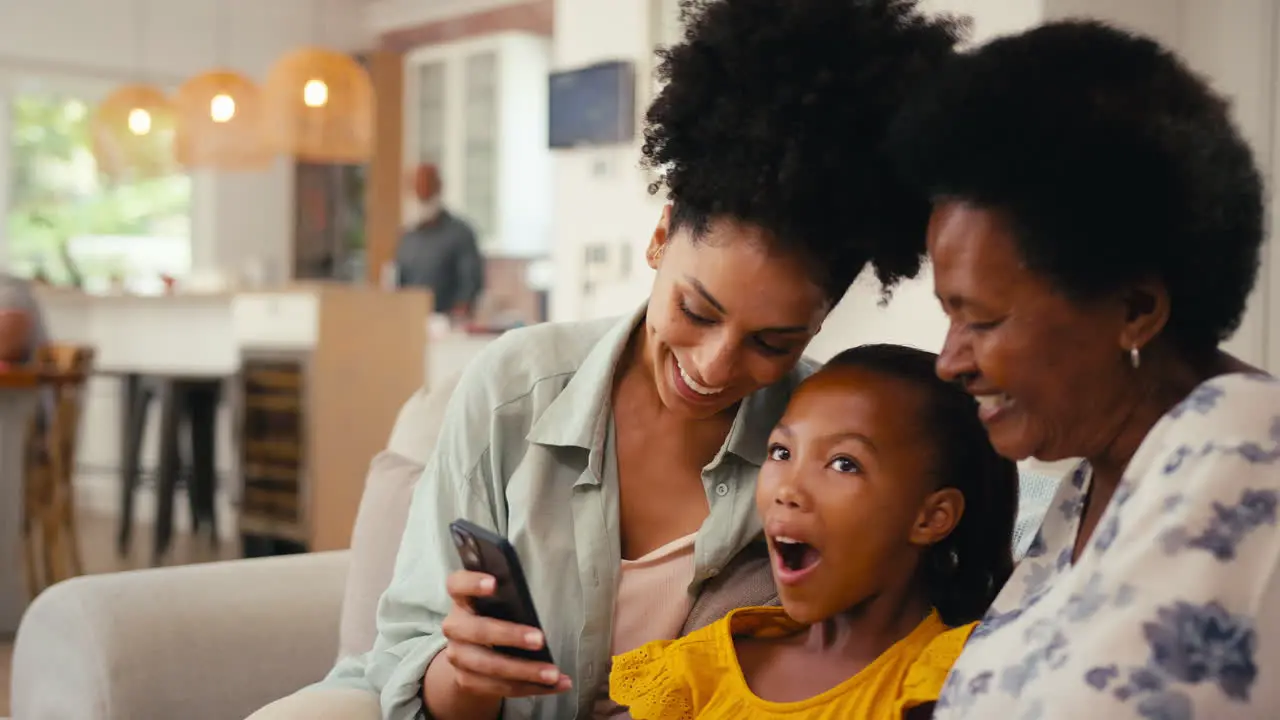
(222, 108)
(139, 121)
(315, 93)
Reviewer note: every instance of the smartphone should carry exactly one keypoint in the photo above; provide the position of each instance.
(487, 552)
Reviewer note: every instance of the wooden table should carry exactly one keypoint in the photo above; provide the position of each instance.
(19, 396)
(18, 378)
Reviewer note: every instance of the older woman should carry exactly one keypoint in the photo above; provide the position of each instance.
(1097, 227)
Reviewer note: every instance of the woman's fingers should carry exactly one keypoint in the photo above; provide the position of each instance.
(463, 585)
(468, 628)
(484, 671)
(486, 686)
(478, 668)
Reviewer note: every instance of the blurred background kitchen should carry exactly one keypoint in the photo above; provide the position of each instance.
(235, 235)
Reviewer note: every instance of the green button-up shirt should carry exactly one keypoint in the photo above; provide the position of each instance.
(522, 451)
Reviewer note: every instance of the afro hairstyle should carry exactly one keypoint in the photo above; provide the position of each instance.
(776, 113)
(1112, 160)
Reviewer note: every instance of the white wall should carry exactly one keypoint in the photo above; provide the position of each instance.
(601, 198)
(89, 46)
(601, 194)
(525, 190)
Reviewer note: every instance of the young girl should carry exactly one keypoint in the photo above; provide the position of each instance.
(889, 519)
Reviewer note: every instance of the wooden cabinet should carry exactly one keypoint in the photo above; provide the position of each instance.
(324, 371)
(274, 447)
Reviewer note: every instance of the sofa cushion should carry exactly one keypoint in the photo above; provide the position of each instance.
(414, 434)
(374, 539)
(384, 509)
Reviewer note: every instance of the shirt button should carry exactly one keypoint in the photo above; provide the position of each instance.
(722, 489)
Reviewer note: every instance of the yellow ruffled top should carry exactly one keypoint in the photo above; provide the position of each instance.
(698, 676)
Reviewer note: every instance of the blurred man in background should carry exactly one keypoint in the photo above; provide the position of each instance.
(440, 252)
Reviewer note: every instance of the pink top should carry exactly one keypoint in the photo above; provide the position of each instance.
(652, 603)
(653, 596)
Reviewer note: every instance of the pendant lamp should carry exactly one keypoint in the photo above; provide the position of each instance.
(131, 134)
(319, 107)
(219, 127)
(219, 115)
(131, 130)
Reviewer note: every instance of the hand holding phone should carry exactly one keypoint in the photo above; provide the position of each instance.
(490, 656)
(491, 554)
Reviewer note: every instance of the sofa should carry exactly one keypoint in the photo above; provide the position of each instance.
(217, 641)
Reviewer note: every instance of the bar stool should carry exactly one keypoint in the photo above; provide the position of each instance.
(186, 403)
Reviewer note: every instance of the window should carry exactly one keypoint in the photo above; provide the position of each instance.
(481, 156)
(68, 225)
(431, 113)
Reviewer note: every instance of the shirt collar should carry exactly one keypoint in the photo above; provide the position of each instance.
(578, 417)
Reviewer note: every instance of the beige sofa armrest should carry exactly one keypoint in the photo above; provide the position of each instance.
(212, 641)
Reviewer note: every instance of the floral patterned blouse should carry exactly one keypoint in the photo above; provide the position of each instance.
(1172, 611)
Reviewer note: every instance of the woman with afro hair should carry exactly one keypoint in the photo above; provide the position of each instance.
(1097, 230)
(619, 457)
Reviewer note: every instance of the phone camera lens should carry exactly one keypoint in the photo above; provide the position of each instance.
(470, 551)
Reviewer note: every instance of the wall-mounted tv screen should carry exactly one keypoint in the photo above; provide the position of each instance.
(594, 105)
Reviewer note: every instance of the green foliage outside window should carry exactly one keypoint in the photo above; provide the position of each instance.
(56, 193)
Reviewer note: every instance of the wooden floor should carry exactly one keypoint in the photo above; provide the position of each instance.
(98, 540)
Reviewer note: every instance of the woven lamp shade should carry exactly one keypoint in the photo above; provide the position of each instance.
(319, 107)
(220, 123)
(132, 134)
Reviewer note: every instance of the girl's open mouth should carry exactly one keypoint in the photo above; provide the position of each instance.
(793, 559)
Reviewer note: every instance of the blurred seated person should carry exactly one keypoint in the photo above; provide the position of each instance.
(440, 252)
(21, 324)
